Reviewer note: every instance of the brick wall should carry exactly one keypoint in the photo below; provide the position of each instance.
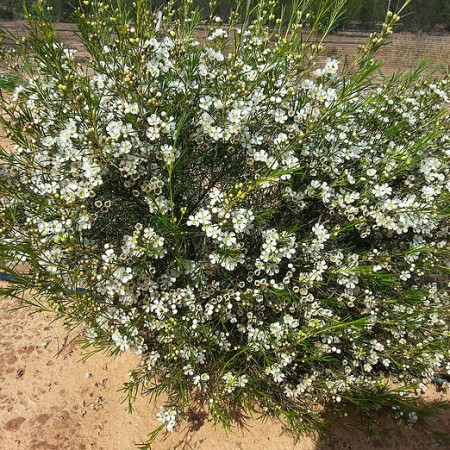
(404, 51)
(407, 49)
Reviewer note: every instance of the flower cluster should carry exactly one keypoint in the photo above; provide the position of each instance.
(168, 416)
(256, 225)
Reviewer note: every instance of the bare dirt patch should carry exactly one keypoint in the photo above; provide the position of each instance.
(60, 403)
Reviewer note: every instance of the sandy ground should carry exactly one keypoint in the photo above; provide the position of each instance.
(50, 400)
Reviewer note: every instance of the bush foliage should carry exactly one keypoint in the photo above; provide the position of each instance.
(268, 230)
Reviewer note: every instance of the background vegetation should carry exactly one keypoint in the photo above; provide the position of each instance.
(421, 15)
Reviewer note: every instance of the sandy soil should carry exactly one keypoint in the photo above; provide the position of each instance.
(50, 400)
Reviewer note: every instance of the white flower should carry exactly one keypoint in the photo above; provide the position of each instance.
(331, 66)
(218, 33)
(382, 190)
(280, 116)
(321, 232)
(169, 154)
(168, 416)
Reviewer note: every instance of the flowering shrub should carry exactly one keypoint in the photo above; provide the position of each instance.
(266, 230)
